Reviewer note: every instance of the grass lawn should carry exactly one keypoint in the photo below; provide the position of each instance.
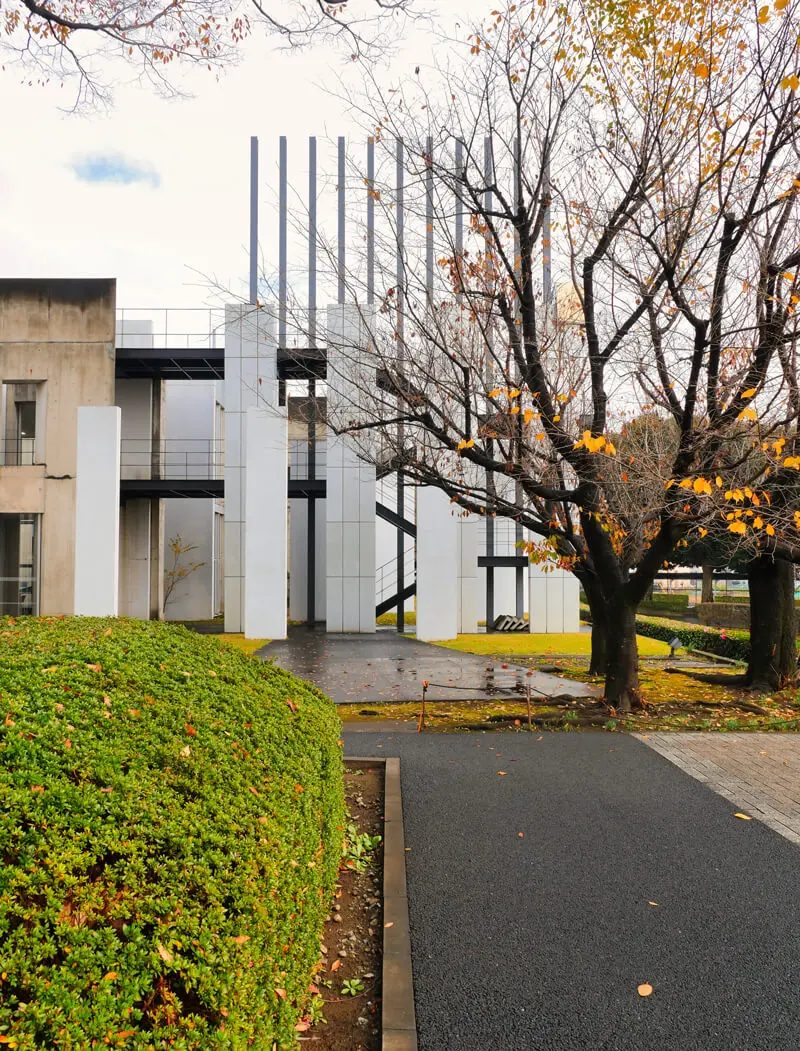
(510, 644)
(248, 646)
(673, 701)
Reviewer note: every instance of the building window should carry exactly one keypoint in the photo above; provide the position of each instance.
(19, 565)
(19, 424)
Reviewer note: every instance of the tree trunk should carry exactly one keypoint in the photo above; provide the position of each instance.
(773, 658)
(708, 584)
(787, 651)
(622, 671)
(597, 606)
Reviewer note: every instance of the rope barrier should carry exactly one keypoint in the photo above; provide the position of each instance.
(426, 684)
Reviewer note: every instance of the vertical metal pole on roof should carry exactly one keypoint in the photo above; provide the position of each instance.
(547, 272)
(253, 218)
(282, 221)
(282, 263)
(311, 536)
(341, 202)
(519, 572)
(429, 221)
(401, 500)
(371, 221)
(487, 203)
(459, 201)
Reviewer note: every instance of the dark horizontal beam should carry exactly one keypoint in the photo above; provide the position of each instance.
(504, 561)
(170, 363)
(393, 518)
(171, 488)
(208, 363)
(206, 488)
(311, 489)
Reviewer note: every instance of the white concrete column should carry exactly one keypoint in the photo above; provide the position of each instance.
(266, 511)
(97, 511)
(350, 493)
(437, 565)
(554, 600)
(467, 575)
(251, 380)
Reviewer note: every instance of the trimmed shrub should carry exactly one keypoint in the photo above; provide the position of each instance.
(723, 614)
(724, 642)
(731, 642)
(171, 822)
(675, 602)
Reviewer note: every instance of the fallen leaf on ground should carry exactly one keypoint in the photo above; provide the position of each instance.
(644, 989)
(744, 817)
(336, 965)
(654, 903)
(502, 773)
(520, 834)
(390, 924)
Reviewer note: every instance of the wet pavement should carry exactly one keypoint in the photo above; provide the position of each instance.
(388, 668)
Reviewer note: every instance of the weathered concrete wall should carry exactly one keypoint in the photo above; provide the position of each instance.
(59, 334)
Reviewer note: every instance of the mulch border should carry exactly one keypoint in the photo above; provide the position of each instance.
(398, 1020)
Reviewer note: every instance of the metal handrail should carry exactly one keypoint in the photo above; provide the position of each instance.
(172, 458)
(18, 452)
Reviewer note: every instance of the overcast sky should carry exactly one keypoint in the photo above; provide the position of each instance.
(158, 189)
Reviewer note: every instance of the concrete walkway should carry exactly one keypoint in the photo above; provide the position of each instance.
(759, 772)
(386, 667)
(539, 941)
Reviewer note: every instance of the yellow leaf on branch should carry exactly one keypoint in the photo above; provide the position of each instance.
(737, 527)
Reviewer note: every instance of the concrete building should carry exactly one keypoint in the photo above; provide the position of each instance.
(151, 474)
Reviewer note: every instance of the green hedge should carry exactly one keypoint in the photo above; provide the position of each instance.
(724, 642)
(677, 602)
(171, 821)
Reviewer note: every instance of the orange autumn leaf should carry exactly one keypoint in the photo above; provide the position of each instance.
(644, 989)
(336, 965)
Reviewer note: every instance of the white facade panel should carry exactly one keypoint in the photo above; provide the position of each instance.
(266, 515)
(350, 511)
(97, 511)
(437, 565)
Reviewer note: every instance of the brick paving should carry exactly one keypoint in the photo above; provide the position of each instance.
(758, 772)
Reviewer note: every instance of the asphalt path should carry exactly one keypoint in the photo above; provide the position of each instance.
(540, 941)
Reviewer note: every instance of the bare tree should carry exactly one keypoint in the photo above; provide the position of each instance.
(656, 160)
(74, 42)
